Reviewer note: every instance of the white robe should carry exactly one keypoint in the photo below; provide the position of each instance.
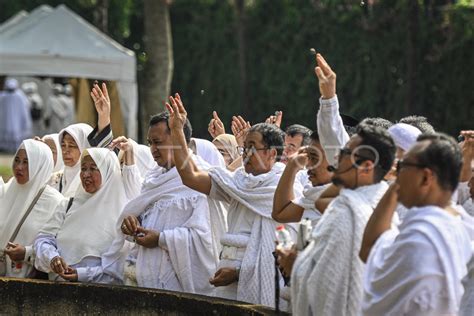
(18, 198)
(418, 269)
(327, 275)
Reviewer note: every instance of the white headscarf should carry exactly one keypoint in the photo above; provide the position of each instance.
(404, 135)
(89, 226)
(18, 197)
(71, 180)
(59, 153)
(208, 151)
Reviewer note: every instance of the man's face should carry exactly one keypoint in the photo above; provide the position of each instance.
(346, 173)
(292, 145)
(258, 158)
(161, 146)
(410, 177)
(317, 165)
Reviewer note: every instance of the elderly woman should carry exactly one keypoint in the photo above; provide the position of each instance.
(82, 228)
(26, 206)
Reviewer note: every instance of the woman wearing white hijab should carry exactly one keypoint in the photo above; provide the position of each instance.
(73, 140)
(32, 168)
(70, 245)
(52, 140)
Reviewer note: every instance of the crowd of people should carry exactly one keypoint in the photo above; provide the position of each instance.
(380, 214)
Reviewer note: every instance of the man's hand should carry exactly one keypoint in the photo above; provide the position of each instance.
(224, 276)
(326, 77)
(240, 129)
(300, 160)
(216, 127)
(177, 112)
(147, 238)
(102, 105)
(275, 119)
(70, 275)
(16, 252)
(130, 225)
(286, 259)
(58, 265)
(467, 148)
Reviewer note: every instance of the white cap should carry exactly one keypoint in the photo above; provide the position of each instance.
(404, 135)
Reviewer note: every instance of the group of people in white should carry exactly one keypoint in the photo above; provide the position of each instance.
(389, 208)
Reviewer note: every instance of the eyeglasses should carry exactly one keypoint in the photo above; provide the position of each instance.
(403, 164)
(347, 152)
(247, 150)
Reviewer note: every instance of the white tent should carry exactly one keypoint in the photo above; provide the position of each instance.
(59, 43)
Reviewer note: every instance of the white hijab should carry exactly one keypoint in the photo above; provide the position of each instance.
(89, 226)
(59, 153)
(70, 179)
(18, 197)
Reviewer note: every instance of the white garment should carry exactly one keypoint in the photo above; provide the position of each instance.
(59, 153)
(184, 260)
(327, 276)
(332, 134)
(70, 179)
(17, 200)
(307, 201)
(88, 228)
(404, 135)
(208, 151)
(251, 229)
(418, 270)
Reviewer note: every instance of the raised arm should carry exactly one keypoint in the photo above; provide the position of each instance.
(102, 135)
(190, 174)
(284, 210)
(380, 220)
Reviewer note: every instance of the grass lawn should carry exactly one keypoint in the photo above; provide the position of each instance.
(5, 172)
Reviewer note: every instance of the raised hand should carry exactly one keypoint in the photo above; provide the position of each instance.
(216, 127)
(326, 77)
(102, 105)
(178, 114)
(300, 160)
(125, 145)
(240, 129)
(275, 119)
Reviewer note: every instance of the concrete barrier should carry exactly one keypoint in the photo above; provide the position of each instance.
(25, 297)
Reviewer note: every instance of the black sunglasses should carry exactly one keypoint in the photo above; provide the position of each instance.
(402, 164)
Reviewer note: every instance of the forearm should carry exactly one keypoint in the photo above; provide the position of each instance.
(466, 171)
(284, 193)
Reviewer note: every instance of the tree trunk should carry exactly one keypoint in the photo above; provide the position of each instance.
(101, 15)
(412, 58)
(158, 70)
(241, 40)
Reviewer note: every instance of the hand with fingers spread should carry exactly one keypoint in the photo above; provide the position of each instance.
(16, 252)
(326, 77)
(300, 160)
(130, 225)
(224, 276)
(275, 119)
(125, 145)
(58, 265)
(102, 105)
(240, 129)
(147, 238)
(178, 114)
(216, 127)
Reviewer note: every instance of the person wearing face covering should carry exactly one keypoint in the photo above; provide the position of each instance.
(27, 191)
(71, 243)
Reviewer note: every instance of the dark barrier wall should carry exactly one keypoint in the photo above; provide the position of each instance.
(27, 297)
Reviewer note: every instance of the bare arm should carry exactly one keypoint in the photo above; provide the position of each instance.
(190, 174)
(284, 210)
(379, 221)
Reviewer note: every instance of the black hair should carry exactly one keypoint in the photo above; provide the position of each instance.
(314, 136)
(419, 122)
(377, 121)
(164, 117)
(272, 135)
(442, 155)
(296, 129)
(380, 143)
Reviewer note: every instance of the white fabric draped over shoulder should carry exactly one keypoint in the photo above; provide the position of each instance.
(418, 269)
(308, 199)
(327, 276)
(89, 227)
(18, 197)
(256, 280)
(70, 179)
(59, 166)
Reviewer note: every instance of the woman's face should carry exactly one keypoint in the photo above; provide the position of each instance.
(90, 175)
(71, 152)
(54, 150)
(224, 152)
(20, 167)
